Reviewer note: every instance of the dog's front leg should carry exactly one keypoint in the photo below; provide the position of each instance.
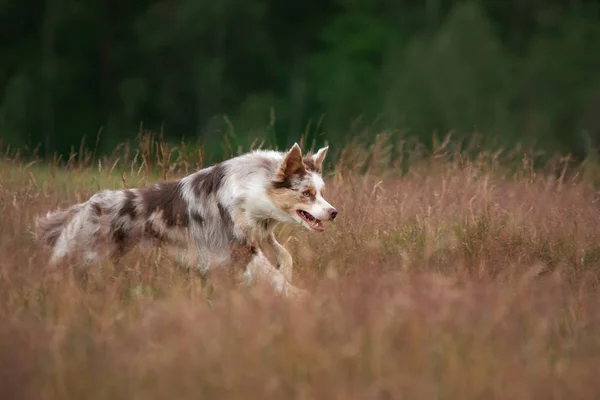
(284, 258)
(259, 267)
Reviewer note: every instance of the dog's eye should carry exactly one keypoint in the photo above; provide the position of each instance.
(306, 193)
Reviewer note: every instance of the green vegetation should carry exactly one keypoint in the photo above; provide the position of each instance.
(516, 71)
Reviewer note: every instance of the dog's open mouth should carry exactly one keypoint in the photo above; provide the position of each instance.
(314, 223)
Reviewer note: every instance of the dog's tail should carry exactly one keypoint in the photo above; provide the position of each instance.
(48, 228)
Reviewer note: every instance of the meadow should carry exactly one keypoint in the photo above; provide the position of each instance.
(449, 274)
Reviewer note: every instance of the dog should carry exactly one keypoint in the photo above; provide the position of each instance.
(223, 215)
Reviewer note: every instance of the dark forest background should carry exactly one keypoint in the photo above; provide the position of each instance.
(515, 71)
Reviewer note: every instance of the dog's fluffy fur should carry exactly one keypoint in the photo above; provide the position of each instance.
(223, 215)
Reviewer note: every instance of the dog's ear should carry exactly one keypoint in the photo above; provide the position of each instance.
(292, 163)
(318, 158)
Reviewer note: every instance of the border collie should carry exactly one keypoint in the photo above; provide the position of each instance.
(220, 216)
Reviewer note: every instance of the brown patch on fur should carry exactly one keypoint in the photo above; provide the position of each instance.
(282, 198)
(152, 232)
(282, 184)
(97, 210)
(226, 218)
(288, 182)
(168, 200)
(120, 234)
(195, 215)
(159, 232)
(207, 182)
(121, 240)
(128, 208)
(310, 163)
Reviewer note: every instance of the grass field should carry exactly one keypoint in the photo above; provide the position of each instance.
(464, 278)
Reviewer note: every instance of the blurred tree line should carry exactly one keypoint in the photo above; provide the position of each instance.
(514, 70)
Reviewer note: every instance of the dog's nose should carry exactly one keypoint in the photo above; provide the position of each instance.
(333, 212)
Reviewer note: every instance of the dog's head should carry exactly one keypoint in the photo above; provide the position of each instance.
(297, 189)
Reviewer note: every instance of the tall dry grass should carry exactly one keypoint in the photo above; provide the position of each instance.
(465, 277)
